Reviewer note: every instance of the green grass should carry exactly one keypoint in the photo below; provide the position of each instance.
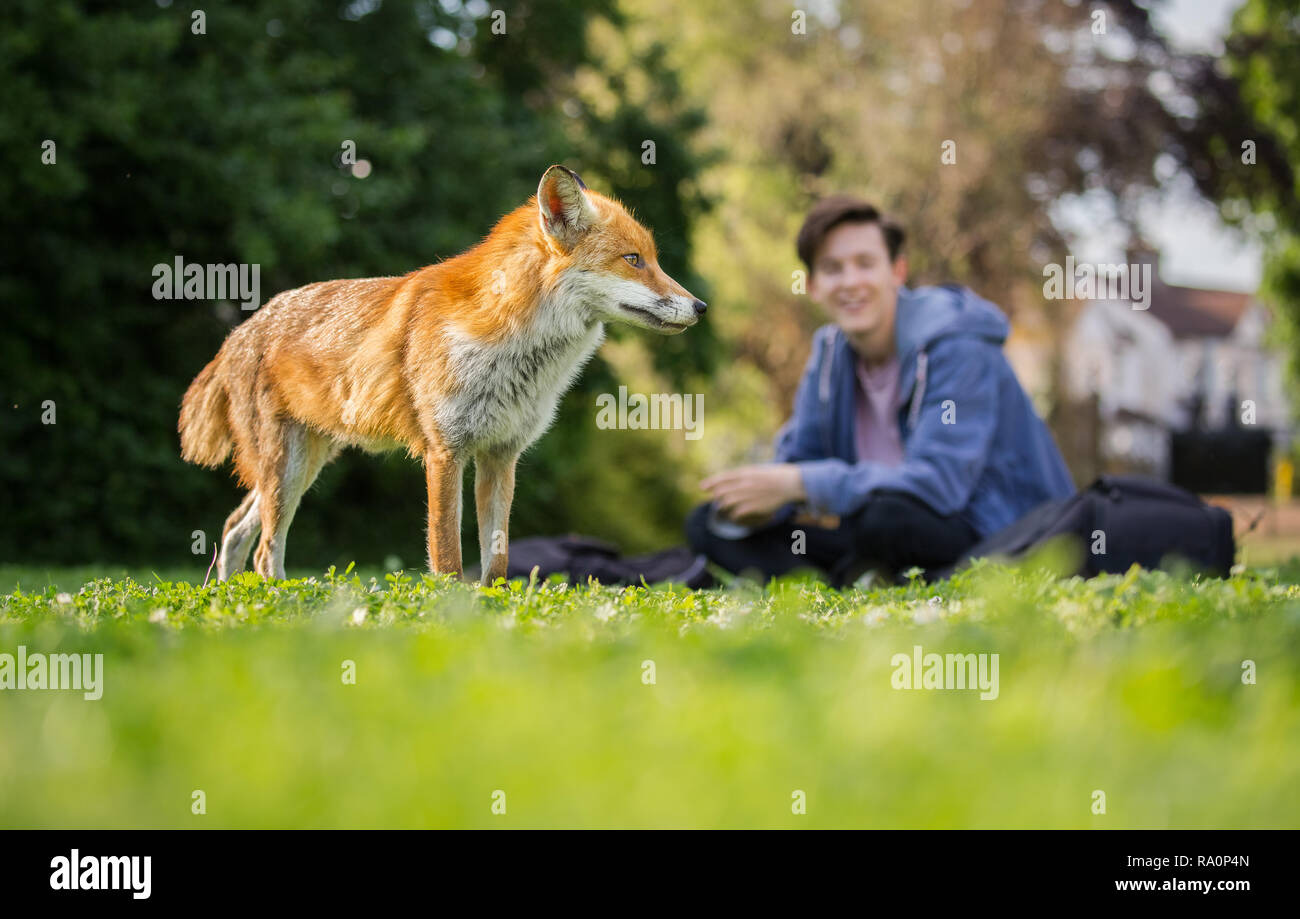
(1131, 685)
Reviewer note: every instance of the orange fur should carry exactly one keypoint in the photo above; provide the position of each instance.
(373, 362)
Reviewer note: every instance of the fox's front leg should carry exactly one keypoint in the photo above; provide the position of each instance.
(494, 490)
(443, 473)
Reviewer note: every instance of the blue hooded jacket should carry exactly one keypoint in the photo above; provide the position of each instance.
(972, 443)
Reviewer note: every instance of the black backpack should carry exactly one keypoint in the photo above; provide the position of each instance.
(581, 557)
(1134, 519)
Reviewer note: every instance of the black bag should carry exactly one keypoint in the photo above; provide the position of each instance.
(581, 557)
(1136, 519)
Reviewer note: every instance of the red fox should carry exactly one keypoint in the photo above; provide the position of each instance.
(462, 359)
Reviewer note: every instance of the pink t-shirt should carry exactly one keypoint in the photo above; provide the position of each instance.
(875, 423)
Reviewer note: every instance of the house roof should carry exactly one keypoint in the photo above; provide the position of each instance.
(1189, 312)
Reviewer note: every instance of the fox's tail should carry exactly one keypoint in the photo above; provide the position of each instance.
(204, 425)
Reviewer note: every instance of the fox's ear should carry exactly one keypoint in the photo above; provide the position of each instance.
(563, 206)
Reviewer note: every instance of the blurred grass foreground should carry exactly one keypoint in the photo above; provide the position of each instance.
(1144, 700)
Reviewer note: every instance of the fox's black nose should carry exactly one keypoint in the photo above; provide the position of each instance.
(700, 307)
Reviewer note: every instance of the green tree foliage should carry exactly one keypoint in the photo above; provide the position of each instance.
(1258, 185)
(225, 146)
(967, 120)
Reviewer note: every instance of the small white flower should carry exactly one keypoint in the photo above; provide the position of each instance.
(359, 615)
(158, 615)
(925, 613)
(63, 598)
(724, 618)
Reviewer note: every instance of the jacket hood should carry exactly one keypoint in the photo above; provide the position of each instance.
(927, 314)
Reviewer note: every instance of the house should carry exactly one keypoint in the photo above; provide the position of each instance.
(1187, 390)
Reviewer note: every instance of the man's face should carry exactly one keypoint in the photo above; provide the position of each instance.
(854, 280)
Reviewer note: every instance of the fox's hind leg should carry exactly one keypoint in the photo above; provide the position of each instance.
(241, 529)
(287, 472)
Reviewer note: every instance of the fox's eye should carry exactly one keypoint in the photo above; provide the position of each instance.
(633, 259)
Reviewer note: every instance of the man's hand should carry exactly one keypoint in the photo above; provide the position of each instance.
(751, 493)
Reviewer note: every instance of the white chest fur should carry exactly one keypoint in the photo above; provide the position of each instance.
(505, 394)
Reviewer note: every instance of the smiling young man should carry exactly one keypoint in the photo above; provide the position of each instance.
(911, 437)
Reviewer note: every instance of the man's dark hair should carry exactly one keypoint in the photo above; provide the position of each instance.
(830, 212)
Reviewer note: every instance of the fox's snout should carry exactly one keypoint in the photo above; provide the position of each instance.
(664, 307)
(698, 307)
(665, 315)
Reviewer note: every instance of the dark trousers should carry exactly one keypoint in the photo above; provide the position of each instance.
(893, 532)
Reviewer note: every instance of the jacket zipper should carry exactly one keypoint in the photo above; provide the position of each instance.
(918, 392)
